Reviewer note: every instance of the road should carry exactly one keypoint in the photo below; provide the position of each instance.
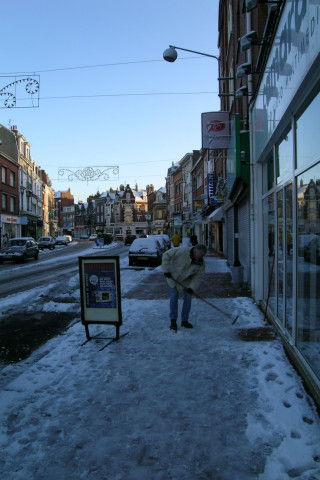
(52, 266)
(25, 323)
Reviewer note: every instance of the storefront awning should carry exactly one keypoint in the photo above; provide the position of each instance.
(216, 215)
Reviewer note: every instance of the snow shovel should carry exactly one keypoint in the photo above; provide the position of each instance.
(233, 318)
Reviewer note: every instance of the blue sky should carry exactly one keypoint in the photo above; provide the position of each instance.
(107, 97)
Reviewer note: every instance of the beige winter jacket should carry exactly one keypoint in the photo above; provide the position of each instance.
(178, 262)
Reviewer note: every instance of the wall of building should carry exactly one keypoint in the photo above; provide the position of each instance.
(286, 155)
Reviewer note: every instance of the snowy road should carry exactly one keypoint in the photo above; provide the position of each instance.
(52, 266)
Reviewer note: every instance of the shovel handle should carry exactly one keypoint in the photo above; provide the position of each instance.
(203, 300)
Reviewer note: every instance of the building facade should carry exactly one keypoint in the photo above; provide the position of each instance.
(30, 189)
(10, 222)
(26, 193)
(286, 178)
(157, 210)
(64, 212)
(48, 214)
(270, 84)
(122, 212)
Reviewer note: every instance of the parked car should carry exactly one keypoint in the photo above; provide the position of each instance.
(167, 239)
(69, 238)
(19, 250)
(46, 242)
(129, 239)
(162, 242)
(84, 236)
(312, 251)
(118, 238)
(62, 240)
(145, 251)
(93, 237)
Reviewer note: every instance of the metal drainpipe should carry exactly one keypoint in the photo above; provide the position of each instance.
(252, 176)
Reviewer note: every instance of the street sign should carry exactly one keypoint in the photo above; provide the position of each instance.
(100, 292)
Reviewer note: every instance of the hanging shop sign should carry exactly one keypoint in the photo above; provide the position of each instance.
(215, 130)
(100, 292)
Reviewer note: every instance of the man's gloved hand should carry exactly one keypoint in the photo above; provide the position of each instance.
(190, 291)
(168, 275)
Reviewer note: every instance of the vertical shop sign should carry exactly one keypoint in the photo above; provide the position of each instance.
(210, 185)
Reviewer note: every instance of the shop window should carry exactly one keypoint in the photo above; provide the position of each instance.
(269, 251)
(289, 297)
(307, 134)
(284, 164)
(308, 266)
(280, 253)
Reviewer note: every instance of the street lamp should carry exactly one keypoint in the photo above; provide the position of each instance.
(170, 54)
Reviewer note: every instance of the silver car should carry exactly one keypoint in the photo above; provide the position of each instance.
(19, 250)
(145, 251)
(46, 242)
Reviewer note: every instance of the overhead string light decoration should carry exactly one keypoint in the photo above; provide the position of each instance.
(88, 174)
(9, 93)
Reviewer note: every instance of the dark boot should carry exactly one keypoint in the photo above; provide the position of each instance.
(186, 324)
(173, 325)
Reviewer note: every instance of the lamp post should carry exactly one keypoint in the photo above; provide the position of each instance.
(170, 54)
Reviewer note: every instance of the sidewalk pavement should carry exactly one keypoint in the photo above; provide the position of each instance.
(218, 402)
(217, 282)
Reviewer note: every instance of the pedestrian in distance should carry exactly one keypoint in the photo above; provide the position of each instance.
(193, 240)
(184, 268)
(175, 239)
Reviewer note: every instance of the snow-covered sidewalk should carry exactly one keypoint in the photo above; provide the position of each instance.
(199, 404)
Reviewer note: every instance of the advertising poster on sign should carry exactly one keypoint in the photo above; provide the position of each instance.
(100, 285)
